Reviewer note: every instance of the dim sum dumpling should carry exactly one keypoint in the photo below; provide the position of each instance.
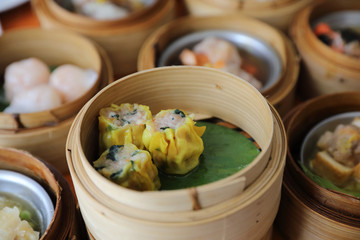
(39, 98)
(122, 124)
(174, 141)
(103, 10)
(72, 81)
(24, 74)
(129, 167)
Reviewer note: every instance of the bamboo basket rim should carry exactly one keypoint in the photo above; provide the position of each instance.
(84, 21)
(41, 9)
(250, 4)
(57, 114)
(264, 12)
(172, 192)
(295, 168)
(190, 217)
(301, 23)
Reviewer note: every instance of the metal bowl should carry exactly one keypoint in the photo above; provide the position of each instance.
(31, 192)
(308, 147)
(340, 20)
(252, 50)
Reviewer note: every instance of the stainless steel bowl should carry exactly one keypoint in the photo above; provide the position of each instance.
(252, 50)
(340, 20)
(308, 147)
(31, 192)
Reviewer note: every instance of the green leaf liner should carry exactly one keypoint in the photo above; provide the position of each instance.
(326, 183)
(226, 151)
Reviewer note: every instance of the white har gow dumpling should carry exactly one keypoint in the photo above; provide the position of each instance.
(72, 81)
(36, 99)
(24, 74)
(103, 10)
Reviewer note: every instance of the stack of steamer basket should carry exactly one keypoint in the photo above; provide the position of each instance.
(241, 206)
(278, 13)
(120, 38)
(246, 33)
(44, 133)
(308, 210)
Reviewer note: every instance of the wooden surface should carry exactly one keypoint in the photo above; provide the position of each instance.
(23, 17)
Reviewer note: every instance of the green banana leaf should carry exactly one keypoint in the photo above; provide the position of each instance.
(326, 183)
(226, 151)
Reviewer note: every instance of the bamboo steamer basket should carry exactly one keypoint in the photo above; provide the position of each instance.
(324, 70)
(248, 198)
(52, 137)
(66, 222)
(121, 38)
(316, 212)
(278, 13)
(280, 94)
(54, 48)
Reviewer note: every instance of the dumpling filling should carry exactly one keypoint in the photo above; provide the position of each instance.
(129, 167)
(122, 124)
(174, 141)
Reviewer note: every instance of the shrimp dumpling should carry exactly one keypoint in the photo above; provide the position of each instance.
(174, 141)
(23, 75)
(72, 81)
(39, 98)
(122, 124)
(103, 10)
(129, 167)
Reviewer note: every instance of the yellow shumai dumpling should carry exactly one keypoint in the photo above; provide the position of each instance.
(174, 141)
(129, 167)
(122, 124)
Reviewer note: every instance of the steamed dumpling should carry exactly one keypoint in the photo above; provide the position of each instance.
(103, 10)
(72, 81)
(39, 98)
(174, 141)
(24, 74)
(122, 124)
(129, 167)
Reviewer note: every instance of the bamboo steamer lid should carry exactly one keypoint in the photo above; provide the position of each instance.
(324, 70)
(52, 137)
(66, 222)
(337, 215)
(121, 39)
(278, 13)
(159, 214)
(280, 93)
